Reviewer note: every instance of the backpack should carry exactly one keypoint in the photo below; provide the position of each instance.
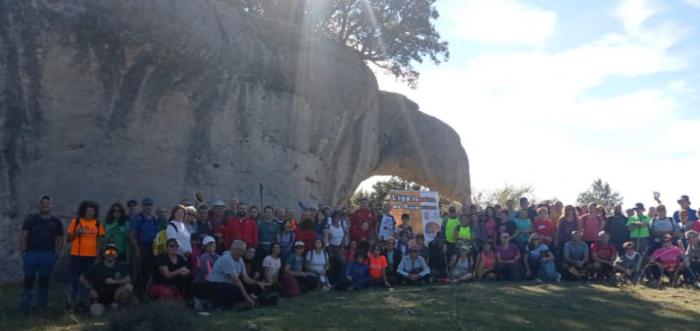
(161, 239)
(97, 225)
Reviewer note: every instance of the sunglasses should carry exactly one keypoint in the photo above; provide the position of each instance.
(173, 246)
(116, 210)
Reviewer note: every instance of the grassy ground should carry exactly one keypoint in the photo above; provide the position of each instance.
(488, 306)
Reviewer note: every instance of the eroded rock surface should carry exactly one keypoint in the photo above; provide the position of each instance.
(110, 100)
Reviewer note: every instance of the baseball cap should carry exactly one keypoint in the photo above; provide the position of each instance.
(147, 202)
(299, 244)
(208, 240)
(639, 205)
(219, 203)
(684, 198)
(110, 249)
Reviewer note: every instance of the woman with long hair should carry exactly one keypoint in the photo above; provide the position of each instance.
(84, 233)
(117, 230)
(177, 229)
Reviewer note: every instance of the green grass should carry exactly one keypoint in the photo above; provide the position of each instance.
(486, 306)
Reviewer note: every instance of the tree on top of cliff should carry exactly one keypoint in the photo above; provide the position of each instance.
(392, 34)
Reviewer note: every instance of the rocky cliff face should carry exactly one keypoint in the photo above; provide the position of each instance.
(109, 100)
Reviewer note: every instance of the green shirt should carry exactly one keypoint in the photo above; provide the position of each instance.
(119, 236)
(464, 233)
(452, 223)
(636, 232)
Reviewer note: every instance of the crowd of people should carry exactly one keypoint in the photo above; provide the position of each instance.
(226, 255)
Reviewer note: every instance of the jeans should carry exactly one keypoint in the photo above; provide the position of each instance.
(78, 265)
(547, 271)
(39, 263)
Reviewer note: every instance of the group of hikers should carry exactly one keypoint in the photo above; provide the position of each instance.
(227, 255)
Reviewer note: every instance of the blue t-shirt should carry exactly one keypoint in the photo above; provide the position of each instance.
(145, 228)
(692, 218)
(320, 227)
(295, 261)
(535, 253)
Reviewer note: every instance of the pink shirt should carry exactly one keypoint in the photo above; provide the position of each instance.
(591, 226)
(667, 256)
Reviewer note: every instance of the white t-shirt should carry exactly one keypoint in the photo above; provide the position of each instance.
(386, 227)
(182, 235)
(336, 235)
(316, 260)
(274, 265)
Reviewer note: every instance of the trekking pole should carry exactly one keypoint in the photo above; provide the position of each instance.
(261, 197)
(639, 264)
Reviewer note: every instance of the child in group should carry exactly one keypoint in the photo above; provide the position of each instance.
(437, 258)
(377, 267)
(403, 245)
(461, 266)
(404, 226)
(420, 243)
(628, 263)
(486, 263)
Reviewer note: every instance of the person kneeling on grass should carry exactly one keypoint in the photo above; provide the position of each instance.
(461, 265)
(317, 264)
(413, 270)
(691, 259)
(171, 276)
(664, 261)
(508, 265)
(628, 263)
(540, 261)
(575, 257)
(228, 278)
(604, 255)
(294, 280)
(377, 267)
(109, 282)
(486, 263)
(357, 274)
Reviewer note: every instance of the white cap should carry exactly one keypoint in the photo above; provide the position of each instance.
(207, 240)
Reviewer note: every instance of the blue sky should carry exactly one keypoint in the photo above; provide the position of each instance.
(554, 94)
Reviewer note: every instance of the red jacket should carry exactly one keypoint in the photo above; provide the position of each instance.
(358, 218)
(307, 236)
(245, 229)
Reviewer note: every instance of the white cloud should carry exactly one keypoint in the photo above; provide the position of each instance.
(694, 3)
(502, 22)
(532, 117)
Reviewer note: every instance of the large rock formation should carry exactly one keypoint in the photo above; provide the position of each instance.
(110, 100)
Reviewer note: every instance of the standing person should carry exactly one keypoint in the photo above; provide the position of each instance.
(41, 242)
(491, 223)
(463, 232)
(539, 261)
(544, 226)
(448, 229)
(510, 208)
(413, 269)
(84, 233)
(336, 237)
(362, 225)
(203, 227)
(268, 233)
(405, 225)
(508, 265)
(393, 258)
(132, 208)
(243, 227)
(217, 219)
(161, 217)
(524, 228)
(177, 229)
(387, 223)
(143, 228)
(321, 225)
(289, 216)
(567, 225)
(478, 231)
(684, 203)
(639, 228)
(305, 231)
(660, 226)
(591, 224)
(117, 230)
(191, 219)
(576, 256)
(287, 238)
(604, 255)
(531, 211)
(616, 226)
(232, 207)
(172, 275)
(556, 212)
(108, 282)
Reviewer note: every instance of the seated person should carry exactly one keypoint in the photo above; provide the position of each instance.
(575, 257)
(508, 265)
(252, 267)
(357, 274)
(294, 280)
(172, 274)
(413, 269)
(377, 267)
(664, 260)
(272, 264)
(461, 265)
(691, 260)
(604, 255)
(109, 282)
(228, 278)
(420, 242)
(393, 258)
(486, 263)
(540, 261)
(205, 263)
(317, 263)
(628, 263)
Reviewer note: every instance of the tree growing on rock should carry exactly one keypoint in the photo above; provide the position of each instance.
(391, 34)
